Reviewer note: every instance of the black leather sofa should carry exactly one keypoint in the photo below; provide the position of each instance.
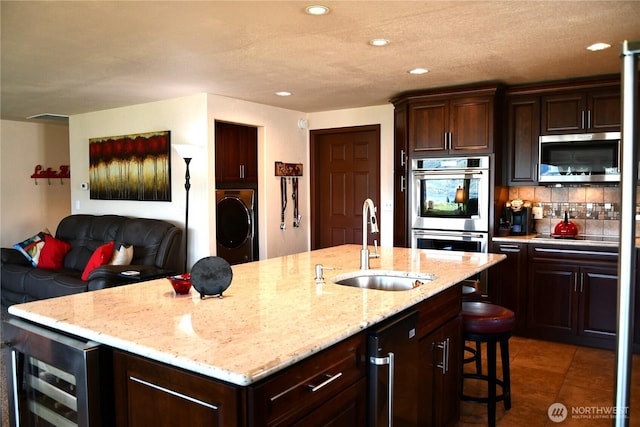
(156, 253)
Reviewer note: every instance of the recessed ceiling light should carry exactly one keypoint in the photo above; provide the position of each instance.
(317, 9)
(378, 42)
(418, 71)
(283, 93)
(598, 46)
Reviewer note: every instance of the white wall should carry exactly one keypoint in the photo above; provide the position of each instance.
(279, 139)
(191, 121)
(382, 115)
(26, 208)
(186, 118)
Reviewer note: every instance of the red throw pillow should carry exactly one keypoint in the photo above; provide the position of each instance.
(101, 256)
(53, 253)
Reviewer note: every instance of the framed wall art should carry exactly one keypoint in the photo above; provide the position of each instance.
(131, 167)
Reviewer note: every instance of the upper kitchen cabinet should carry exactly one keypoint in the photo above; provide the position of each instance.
(451, 121)
(523, 130)
(577, 111)
(236, 154)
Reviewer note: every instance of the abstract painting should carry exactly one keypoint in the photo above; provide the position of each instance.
(131, 167)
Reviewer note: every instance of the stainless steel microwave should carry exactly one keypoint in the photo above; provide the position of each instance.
(585, 157)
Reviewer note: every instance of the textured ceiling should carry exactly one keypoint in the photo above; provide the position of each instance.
(74, 57)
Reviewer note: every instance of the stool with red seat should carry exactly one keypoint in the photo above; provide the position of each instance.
(491, 324)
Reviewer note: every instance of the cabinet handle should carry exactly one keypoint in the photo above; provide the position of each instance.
(575, 282)
(389, 360)
(242, 171)
(450, 143)
(173, 393)
(582, 119)
(402, 188)
(444, 365)
(581, 282)
(509, 248)
(329, 380)
(402, 161)
(588, 118)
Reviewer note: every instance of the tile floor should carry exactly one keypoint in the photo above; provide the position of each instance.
(543, 373)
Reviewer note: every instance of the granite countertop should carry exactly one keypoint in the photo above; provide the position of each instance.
(273, 314)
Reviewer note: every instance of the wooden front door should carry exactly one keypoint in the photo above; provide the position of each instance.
(345, 170)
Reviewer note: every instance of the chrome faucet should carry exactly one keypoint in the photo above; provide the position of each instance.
(364, 253)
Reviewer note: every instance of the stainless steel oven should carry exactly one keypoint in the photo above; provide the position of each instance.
(450, 206)
(465, 241)
(450, 193)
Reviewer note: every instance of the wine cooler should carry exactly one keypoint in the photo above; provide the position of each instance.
(54, 379)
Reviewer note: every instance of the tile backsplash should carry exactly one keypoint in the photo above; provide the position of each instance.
(594, 210)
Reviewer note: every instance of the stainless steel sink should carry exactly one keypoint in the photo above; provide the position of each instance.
(384, 280)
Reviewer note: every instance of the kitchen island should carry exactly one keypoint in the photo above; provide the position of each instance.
(273, 316)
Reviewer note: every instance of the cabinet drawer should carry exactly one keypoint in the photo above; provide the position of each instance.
(558, 253)
(297, 390)
(147, 391)
(439, 309)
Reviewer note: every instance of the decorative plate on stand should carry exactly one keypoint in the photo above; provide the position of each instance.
(211, 276)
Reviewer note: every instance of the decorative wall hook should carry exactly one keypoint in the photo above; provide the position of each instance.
(63, 173)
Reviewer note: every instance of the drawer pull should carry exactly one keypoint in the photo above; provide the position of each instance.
(330, 379)
(174, 393)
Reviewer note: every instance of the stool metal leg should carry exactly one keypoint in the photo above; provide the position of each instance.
(491, 398)
(478, 358)
(491, 383)
(506, 376)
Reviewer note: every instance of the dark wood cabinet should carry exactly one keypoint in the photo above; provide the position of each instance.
(552, 301)
(523, 131)
(440, 375)
(327, 390)
(451, 125)
(576, 112)
(599, 301)
(400, 177)
(440, 349)
(449, 120)
(151, 393)
(572, 295)
(508, 281)
(346, 409)
(236, 154)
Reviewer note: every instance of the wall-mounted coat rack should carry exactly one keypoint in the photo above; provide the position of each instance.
(289, 171)
(39, 172)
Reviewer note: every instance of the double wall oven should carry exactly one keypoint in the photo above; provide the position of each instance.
(449, 202)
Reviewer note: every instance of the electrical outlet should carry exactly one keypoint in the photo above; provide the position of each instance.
(387, 205)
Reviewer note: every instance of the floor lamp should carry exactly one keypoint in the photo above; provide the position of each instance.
(187, 152)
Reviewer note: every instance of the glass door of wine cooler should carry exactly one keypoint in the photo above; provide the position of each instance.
(54, 379)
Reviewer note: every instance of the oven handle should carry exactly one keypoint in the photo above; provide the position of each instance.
(436, 235)
(421, 172)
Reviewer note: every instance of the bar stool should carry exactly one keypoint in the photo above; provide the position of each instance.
(469, 294)
(491, 324)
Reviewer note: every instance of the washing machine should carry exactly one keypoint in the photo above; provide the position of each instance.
(235, 225)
